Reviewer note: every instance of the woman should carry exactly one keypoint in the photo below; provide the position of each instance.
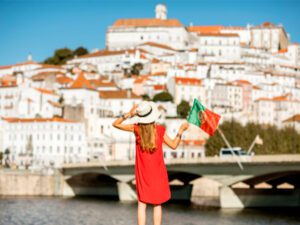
(151, 175)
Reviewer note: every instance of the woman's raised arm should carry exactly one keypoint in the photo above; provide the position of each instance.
(126, 127)
(173, 143)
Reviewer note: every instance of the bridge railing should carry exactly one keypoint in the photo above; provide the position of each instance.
(206, 160)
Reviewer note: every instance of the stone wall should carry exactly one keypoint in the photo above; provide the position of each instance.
(26, 183)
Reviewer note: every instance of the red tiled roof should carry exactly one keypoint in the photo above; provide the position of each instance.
(63, 79)
(256, 87)
(141, 79)
(266, 25)
(158, 74)
(151, 22)
(81, 82)
(30, 120)
(243, 82)
(187, 81)
(277, 98)
(219, 34)
(155, 60)
(193, 142)
(19, 64)
(205, 29)
(119, 94)
(295, 118)
(158, 87)
(8, 83)
(102, 83)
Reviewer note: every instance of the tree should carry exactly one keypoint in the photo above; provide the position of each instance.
(183, 109)
(62, 55)
(163, 97)
(136, 68)
(145, 97)
(80, 51)
(276, 141)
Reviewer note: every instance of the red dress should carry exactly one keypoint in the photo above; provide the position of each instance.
(152, 183)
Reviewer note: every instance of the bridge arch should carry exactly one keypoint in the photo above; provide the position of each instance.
(271, 189)
(93, 184)
(272, 180)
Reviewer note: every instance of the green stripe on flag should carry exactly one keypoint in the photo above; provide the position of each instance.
(194, 113)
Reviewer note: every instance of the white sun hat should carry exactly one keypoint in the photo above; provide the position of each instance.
(146, 112)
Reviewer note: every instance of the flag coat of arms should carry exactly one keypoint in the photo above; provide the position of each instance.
(204, 118)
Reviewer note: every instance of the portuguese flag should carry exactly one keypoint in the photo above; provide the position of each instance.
(203, 118)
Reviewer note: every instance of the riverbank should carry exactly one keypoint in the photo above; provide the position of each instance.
(18, 183)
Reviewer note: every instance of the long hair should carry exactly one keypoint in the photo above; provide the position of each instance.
(148, 137)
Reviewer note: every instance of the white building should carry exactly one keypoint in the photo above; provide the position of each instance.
(110, 60)
(228, 96)
(114, 103)
(45, 142)
(186, 89)
(293, 122)
(219, 47)
(269, 37)
(20, 99)
(127, 33)
(273, 111)
(81, 102)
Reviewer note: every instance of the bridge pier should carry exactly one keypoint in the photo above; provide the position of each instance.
(228, 199)
(126, 190)
(67, 191)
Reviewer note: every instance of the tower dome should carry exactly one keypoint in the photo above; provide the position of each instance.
(161, 12)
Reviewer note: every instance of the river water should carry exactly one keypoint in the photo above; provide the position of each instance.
(87, 211)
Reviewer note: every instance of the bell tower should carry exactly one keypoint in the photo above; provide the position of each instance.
(161, 12)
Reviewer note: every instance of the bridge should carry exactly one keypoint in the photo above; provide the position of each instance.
(266, 180)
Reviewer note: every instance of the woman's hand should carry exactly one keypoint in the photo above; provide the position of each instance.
(184, 126)
(173, 143)
(132, 111)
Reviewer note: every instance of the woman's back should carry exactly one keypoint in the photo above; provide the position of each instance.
(152, 182)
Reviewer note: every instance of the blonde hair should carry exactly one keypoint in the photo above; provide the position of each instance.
(148, 137)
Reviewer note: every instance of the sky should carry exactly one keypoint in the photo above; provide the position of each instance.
(38, 27)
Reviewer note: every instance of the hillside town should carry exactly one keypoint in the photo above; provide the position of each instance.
(56, 114)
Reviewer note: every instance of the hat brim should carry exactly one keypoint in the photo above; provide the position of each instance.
(152, 117)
